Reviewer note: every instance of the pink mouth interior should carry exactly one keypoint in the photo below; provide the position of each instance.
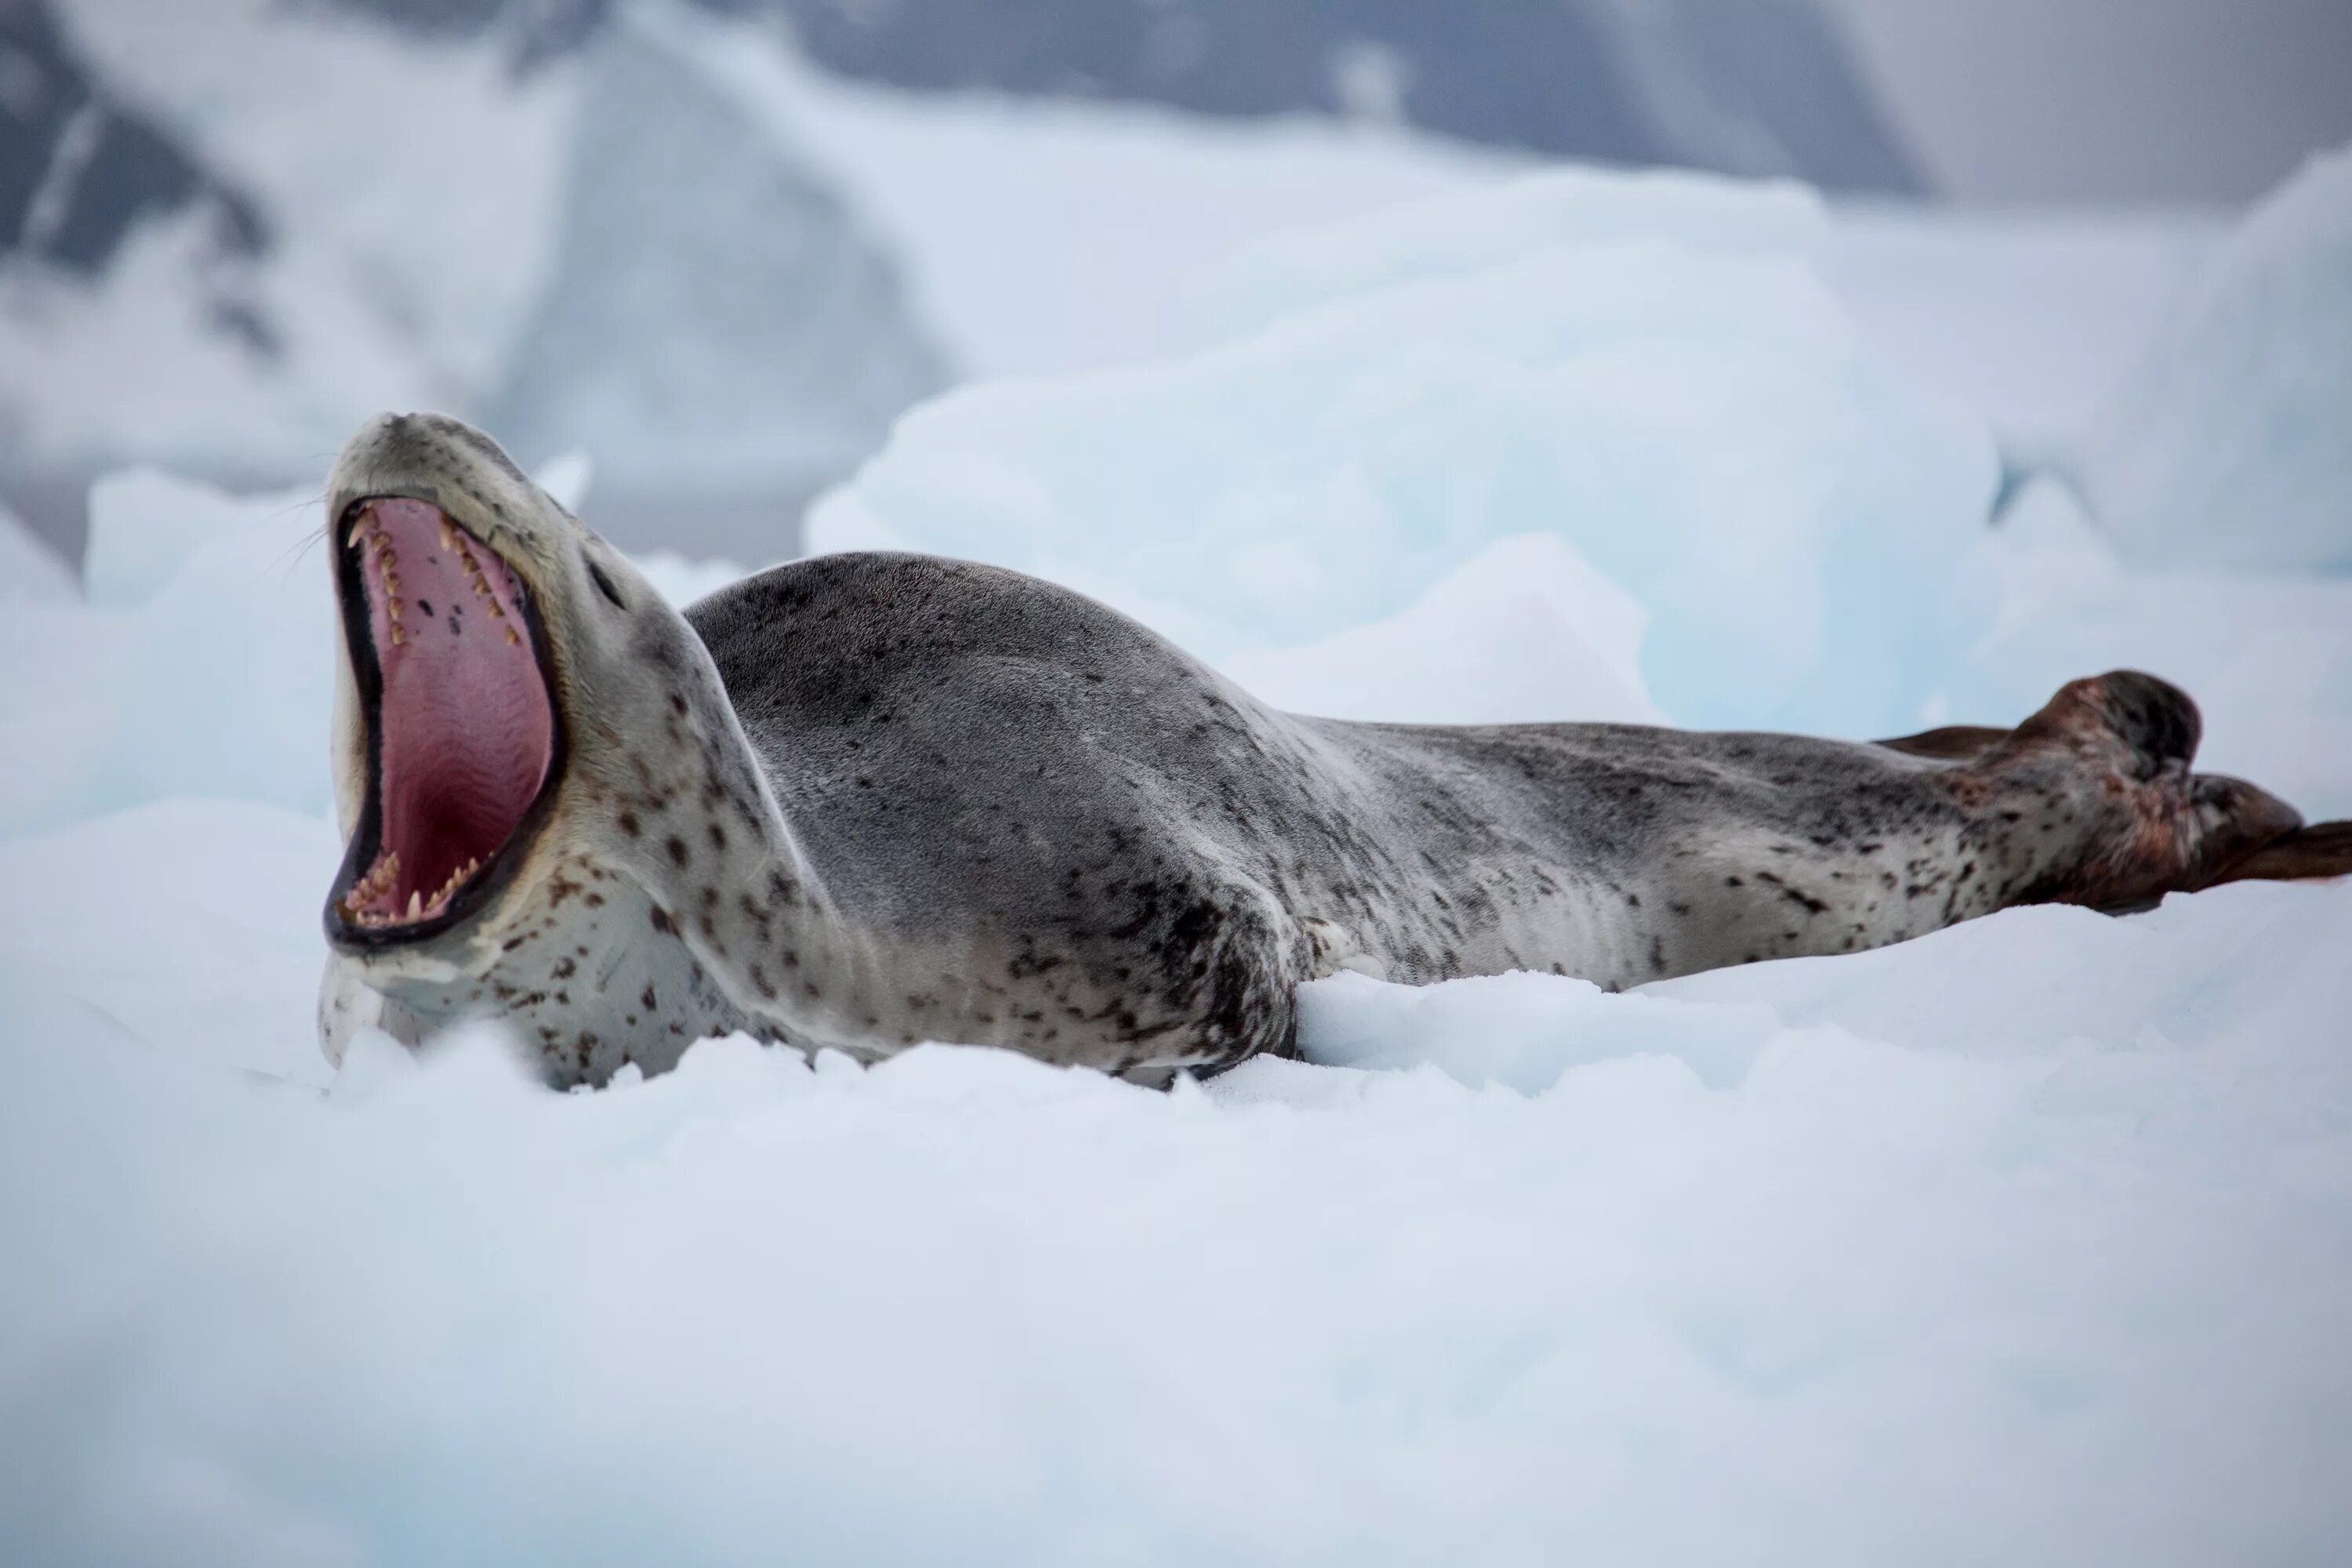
(465, 730)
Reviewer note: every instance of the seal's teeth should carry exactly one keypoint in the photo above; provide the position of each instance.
(393, 606)
(415, 903)
(448, 535)
(359, 526)
(450, 889)
(398, 637)
(512, 639)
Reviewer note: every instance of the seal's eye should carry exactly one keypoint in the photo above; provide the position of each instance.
(604, 586)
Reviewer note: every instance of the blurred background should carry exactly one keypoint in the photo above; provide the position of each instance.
(718, 246)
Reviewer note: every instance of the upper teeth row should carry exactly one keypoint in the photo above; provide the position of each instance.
(381, 542)
(366, 526)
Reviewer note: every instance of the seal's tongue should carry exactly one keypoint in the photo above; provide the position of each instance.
(464, 728)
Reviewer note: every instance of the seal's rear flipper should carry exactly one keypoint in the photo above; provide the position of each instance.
(2315, 853)
(2101, 773)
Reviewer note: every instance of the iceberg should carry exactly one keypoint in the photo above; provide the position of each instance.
(1697, 420)
(2230, 446)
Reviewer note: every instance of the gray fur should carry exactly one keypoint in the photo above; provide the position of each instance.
(868, 800)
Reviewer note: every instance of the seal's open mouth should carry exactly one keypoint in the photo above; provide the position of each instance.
(462, 734)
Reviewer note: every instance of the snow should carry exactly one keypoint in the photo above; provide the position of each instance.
(2027, 1240)
(2230, 444)
(1540, 1266)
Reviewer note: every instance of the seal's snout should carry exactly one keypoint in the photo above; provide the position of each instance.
(433, 457)
(388, 440)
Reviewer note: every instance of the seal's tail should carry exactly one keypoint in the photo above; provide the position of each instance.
(2315, 853)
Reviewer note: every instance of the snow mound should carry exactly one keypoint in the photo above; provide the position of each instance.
(1703, 428)
(2232, 447)
(1523, 631)
(202, 664)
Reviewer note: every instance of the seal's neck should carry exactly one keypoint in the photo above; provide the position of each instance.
(672, 795)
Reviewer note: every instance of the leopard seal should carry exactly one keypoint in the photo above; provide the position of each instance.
(863, 801)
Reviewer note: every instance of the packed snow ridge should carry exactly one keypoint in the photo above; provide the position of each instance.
(2028, 1239)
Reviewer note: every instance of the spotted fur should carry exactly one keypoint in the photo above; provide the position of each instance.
(868, 800)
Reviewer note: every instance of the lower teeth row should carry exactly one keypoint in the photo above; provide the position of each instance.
(387, 873)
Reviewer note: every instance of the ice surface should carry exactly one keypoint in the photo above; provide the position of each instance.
(2231, 443)
(1703, 428)
(1850, 1249)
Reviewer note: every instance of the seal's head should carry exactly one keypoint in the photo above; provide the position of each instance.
(492, 655)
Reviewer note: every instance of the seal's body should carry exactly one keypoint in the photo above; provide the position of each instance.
(870, 800)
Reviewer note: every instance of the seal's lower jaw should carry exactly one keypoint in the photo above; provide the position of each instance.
(463, 737)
